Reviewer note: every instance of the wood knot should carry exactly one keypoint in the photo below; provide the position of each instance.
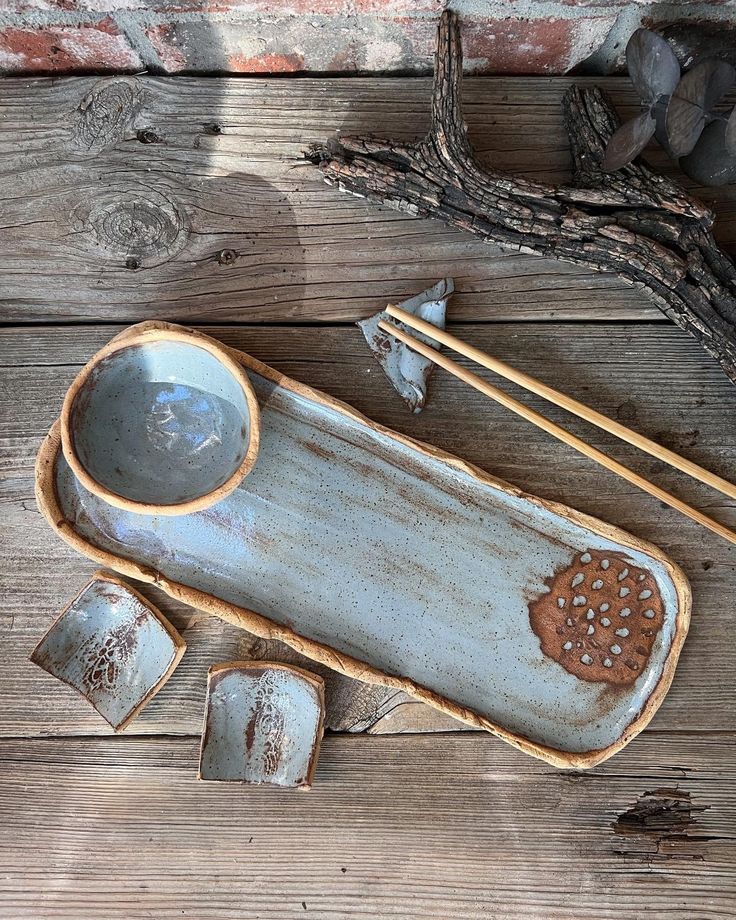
(254, 648)
(227, 257)
(148, 136)
(136, 228)
(661, 812)
(106, 114)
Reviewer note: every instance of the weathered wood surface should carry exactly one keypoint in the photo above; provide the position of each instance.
(450, 827)
(199, 186)
(673, 393)
(447, 826)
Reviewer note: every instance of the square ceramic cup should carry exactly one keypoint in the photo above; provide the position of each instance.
(113, 647)
(263, 724)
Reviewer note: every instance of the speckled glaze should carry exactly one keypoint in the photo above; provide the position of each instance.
(263, 724)
(393, 562)
(113, 647)
(161, 422)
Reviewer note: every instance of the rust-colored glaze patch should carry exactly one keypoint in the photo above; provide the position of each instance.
(103, 662)
(274, 721)
(110, 596)
(382, 343)
(266, 726)
(229, 522)
(318, 450)
(599, 618)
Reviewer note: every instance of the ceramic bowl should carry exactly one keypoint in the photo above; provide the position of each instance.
(161, 421)
(263, 724)
(112, 646)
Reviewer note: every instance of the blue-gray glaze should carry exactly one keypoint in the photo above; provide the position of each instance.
(110, 647)
(161, 423)
(262, 726)
(407, 370)
(399, 559)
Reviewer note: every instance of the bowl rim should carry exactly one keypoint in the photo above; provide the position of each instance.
(132, 338)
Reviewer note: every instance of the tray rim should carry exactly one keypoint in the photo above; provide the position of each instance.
(261, 626)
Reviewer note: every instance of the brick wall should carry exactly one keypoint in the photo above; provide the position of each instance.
(278, 36)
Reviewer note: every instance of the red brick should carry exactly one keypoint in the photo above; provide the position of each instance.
(25, 6)
(231, 47)
(374, 44)
(280, 9)
(328, 35)
(98, 47)
(267, 63)
(603, 5)
(163, 40)
(518, 46)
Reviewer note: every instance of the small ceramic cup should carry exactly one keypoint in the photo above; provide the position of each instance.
(161, 421)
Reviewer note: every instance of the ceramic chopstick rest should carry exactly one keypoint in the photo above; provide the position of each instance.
(112, 646)
(263, 724)
(408, 371)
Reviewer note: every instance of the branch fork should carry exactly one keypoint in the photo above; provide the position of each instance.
(641, 225)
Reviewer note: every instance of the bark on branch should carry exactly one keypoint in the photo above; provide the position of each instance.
(634, 222)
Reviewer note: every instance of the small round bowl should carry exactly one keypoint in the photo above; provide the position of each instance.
(161, 421)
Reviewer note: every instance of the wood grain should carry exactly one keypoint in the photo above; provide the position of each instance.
(448, 827)
(652, 377)
(557, 431)
(529, 383)
(220, 219)
(229, 228)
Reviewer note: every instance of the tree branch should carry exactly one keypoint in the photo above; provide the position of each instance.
(635, 222)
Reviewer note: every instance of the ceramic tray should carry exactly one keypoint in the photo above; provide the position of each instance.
(396, 563)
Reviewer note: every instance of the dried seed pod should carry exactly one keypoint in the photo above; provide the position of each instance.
(691, 103)
(652, 65)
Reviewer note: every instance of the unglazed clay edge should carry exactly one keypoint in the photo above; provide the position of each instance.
(144, 333)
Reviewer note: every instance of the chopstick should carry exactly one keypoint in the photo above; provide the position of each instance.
(565, 402)
(531, 415)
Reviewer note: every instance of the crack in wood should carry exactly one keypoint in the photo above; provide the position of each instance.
(663, 824)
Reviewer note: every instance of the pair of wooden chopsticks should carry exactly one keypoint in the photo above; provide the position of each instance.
(566, 402)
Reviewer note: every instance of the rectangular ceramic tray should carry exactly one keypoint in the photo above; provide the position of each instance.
(396, 563)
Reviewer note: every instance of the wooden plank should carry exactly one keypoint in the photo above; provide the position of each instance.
(198, 185)
(650, 376)
(451, 827)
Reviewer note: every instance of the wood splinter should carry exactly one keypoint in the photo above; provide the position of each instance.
(634, 222)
